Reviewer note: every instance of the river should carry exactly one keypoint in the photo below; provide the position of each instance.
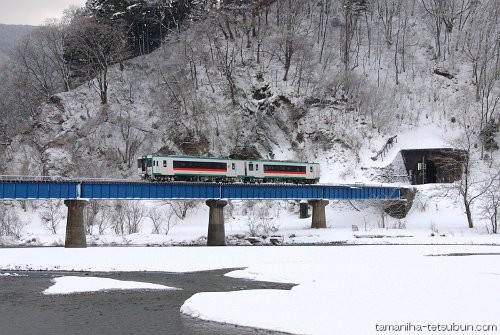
(24, 309)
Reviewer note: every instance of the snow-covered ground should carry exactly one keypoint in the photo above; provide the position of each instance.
(76, 284)
(340, 289)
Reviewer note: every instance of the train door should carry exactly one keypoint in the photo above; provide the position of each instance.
(315, 171)
(250, 170)
(170, 166)
(163, 165)
(258, 170)
(154, 167)
(309, 171)
(240, 171)
(312, 171)
(231, 169)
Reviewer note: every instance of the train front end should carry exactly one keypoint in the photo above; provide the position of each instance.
(145, 166)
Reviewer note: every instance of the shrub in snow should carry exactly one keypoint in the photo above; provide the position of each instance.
(168, 214)
(490, 206)
(97, 216)
(262, 218)
(52, 215)
(127, 217)
(10, 224)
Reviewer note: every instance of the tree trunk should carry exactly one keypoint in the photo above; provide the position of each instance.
(468, 212)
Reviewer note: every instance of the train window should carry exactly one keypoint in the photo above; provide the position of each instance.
(284, 168)
(200, 165)
(310, 169)
(256, 167)
(233, 166)
(250, 166)
(164, 163)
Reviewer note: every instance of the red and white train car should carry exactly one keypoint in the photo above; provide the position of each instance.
(186, 168)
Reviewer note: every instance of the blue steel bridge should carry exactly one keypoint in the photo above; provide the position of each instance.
(22, 188)
(75, 192)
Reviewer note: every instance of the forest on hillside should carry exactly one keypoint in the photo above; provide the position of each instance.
(285, 79)
(348, 54)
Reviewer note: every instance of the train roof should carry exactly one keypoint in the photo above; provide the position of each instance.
(229, 159)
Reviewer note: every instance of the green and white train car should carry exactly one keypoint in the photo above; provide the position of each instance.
(200, 169)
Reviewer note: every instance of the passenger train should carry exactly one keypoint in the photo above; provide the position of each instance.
(203, 169)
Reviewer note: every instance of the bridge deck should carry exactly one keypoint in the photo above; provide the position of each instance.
(21, 188)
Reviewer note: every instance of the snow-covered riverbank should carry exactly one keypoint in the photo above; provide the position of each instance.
(340, 289)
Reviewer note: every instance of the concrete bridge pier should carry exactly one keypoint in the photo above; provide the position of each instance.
(216, 232)
(75, 229)
(318, 213)
(303, 209)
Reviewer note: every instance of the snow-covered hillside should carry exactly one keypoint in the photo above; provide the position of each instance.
(217, 88)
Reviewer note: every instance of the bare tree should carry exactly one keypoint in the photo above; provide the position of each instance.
(131, 138)
(54, 34)
(118, 217)
(386, 11)
(225, 58)
(133, 214)
(127, 216)
(400, 41)
(324, 28)
(483, 50)
(94, 46)
(104, 218)
(181, 207)
(350, 10)
(474, 183)
(444, 13)
(40, 67)
(52, 215)
(163, 218)
(12, 113)
(10, 223)
(157, 218)
(291, 14)
(490, 207)
(96, 215)
(34, 64)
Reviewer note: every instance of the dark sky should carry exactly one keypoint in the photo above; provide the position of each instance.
(33, 12)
